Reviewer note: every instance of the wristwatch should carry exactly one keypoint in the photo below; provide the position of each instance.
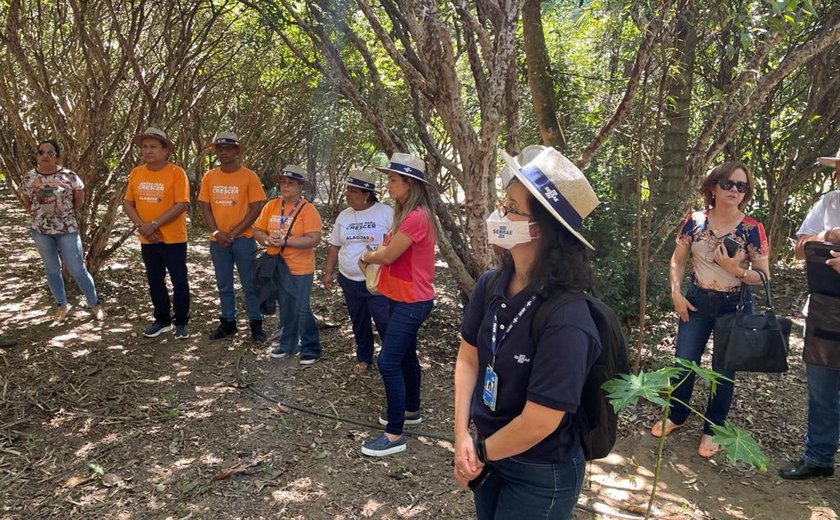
(155, 224)
(480, 449)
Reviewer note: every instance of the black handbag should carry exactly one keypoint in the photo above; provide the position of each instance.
(752, 342)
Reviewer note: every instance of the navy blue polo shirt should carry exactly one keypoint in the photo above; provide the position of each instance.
(551, 373)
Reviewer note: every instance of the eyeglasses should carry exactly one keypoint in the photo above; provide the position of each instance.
(727, 185)
(48, 153)
(504, 210)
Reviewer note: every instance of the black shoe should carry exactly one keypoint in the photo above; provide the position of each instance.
(257, 333)
(802, 470)
(226, 328)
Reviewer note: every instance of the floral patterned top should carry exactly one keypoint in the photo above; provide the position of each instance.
(695, 233)
(52, 200)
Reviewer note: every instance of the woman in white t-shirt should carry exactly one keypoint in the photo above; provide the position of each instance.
(359, 227)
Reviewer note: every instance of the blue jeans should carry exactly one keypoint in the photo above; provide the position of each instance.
(239, 253)
(823, 415)
(297, 324)
(519, 489)
(362, 306)
(692, 337)
(69, 245)
(398, 363)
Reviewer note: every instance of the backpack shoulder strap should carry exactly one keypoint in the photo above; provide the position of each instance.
(546, 307)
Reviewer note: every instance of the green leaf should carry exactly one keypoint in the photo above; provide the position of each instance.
(740, 445)
(730, 51)
(703, 373)
(626, 389)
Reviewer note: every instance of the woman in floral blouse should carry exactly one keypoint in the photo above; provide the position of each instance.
(716, 279)
(52, 194)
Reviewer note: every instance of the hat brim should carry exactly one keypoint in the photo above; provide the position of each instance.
(138, 140)
(212, 146)
(389, 170)
(828, 161)
(511, 162)
(348, 183)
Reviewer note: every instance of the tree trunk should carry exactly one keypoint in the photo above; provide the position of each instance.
(539, 75)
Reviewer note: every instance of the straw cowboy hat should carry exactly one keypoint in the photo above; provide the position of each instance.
(829, 161)
(406, 164)
(225, 138)
(153, 132)
(526, 155)
(361, 179)
(559, 186)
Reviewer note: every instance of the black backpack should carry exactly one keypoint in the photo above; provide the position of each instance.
(595, 419)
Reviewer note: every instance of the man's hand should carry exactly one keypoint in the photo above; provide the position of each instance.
(147, 228)
(834, 262)
(224, 239)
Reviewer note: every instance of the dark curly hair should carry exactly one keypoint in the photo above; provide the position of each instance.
(563, 262)
(54, 144)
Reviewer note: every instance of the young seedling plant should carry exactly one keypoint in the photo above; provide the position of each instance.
(658, 387)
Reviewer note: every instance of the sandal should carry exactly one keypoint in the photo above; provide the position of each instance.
(61, 313)
(656, 431)
(360, 368)
(708, 447)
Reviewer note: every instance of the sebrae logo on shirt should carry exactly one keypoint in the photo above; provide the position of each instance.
(225, 195)
(522, 359)
(150, 191)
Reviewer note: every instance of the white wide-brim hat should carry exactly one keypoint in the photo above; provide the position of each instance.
(295, 172)
(225, 138)
(155, 133)
(406, 164)
(829, 161)
(559, 186)
(362, 180)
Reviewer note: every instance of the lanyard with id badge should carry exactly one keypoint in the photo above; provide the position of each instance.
(491, 379)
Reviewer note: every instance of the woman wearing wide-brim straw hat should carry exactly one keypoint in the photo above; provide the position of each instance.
(519, 393)
(359, 227)
(408, 270)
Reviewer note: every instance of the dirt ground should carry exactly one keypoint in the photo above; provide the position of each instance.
(97, 421)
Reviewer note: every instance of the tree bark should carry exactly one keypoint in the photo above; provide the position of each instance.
(540, 80)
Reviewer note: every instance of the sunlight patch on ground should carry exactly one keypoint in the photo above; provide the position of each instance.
(299, 490)
(80, 353)
(182, 374)
(59, 341)
(411, 511)
(211, 459)
(85, 450)
(184, 463)
(823, 513)
(218, 388)
(370, 507)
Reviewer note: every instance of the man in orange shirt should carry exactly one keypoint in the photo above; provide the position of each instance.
(156, 201)
(231, 198)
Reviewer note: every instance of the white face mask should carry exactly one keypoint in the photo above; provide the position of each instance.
(506, 233)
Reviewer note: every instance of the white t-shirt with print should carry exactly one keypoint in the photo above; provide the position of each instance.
(354, 231)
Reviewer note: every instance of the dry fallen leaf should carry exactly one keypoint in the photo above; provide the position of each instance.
(111, 479)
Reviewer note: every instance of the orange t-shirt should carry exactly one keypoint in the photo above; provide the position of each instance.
(275, 219)
(229, 195)
(154, 192)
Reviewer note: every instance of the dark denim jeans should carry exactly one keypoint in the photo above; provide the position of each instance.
(297, 324)
(519, 489)
(362, 306)
(68, 247)
(160, 258)
(241, 254)
(398, 362)
(692, 338)
(823, 416)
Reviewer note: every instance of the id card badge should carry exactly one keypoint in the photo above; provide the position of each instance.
(491, 388)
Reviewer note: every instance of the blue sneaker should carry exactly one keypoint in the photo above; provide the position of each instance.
(381, 446)
(410, 419)
(182, 332)
(156, 329)
(277, 353)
